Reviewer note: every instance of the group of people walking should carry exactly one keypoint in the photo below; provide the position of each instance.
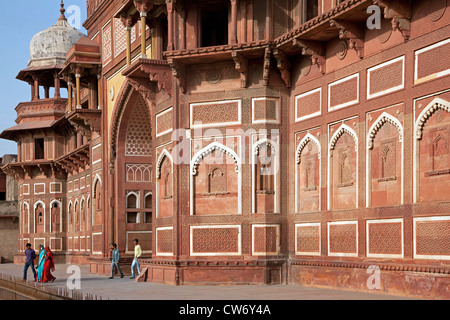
(45, 266)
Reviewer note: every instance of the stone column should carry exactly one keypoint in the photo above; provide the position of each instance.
(143, 35)
(143, 6)
(78, 88)
(57, 86)
(36, 87)
(128, 24)
(233, 21)
(47, 92)
(169, 4)
(128, 32)
(70, 94)
(33, 92)
(99, 91)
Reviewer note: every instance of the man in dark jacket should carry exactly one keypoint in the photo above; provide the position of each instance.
(29, 262)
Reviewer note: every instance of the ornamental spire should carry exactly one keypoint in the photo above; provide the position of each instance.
(62, 10)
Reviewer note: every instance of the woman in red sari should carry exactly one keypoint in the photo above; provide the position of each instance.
(49, 266)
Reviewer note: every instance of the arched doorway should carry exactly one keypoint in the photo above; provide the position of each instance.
(133, 173)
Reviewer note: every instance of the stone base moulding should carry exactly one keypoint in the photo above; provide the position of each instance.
(214, 272)
(392, 279)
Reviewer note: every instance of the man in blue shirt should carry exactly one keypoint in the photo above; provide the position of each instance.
(115, 257)
(29, 262)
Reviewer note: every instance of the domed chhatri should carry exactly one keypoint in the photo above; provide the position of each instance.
(49, 47)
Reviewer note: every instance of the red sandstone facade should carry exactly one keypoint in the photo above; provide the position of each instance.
(245, 141)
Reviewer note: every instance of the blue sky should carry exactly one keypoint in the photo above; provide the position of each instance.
(21, 21)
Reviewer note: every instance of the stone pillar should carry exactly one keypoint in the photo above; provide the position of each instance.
(128, 24)
(36, 87)
(128, 32)
(78, 89)
(57, 86)
(143, 35)
(143, 6)
(170, 31)
(233, 21)
(99, 91)
(268, 32)
(70, 94)
(90, 95)
(33, 92)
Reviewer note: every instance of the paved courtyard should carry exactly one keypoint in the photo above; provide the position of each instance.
(127, 289)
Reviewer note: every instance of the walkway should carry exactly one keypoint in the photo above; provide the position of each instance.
(127, 289)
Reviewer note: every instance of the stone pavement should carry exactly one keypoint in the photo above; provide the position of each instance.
(127, 289)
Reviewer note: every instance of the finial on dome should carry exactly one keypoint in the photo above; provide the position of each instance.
(62, 10)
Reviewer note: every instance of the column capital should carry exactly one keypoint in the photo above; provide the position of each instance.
(143, 6)
(127, 20)
(170, 4)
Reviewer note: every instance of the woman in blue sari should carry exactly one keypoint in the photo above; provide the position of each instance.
(40, 266)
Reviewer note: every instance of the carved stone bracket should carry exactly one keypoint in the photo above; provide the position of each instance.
(400, 12)
(284, 66)
(86, 121)
(27, 171)
(17, 172)
(128, 20)
(266, 66)
(179, 72)
(312, 48)
(143, 5)
(241, 65)
(147, 93)
(351, 32)
(158, 72)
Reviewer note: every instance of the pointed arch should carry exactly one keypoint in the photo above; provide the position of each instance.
(27, 205)
(59, 205)
(57, 202)
(162, 156)
(123, 97)
(96, 196)
(69, 214)
(162, 200)
(75, 214)
(333, 140)
(275, 153)
(97, 179)
(427, 112)
(126, 92)
(373, 130)
(339, 132)
(82, 213)
(306, 139)
(203, 153)
(136, 202)
(206, 151)
(376, 126)
(35, 206)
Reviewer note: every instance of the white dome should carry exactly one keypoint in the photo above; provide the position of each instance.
(49, 47)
